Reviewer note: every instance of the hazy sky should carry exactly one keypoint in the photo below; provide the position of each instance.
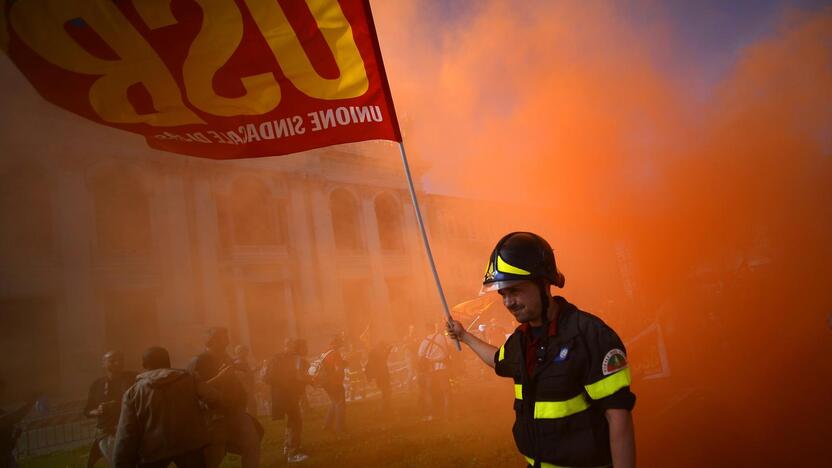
(691, 48)
(709, 33)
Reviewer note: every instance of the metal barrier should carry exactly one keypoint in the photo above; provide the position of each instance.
(63, 427)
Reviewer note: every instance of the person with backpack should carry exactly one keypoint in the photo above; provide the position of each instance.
(330, 376)
(433, 356)
(286, 374)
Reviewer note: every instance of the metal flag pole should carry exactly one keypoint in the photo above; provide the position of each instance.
(425, 238)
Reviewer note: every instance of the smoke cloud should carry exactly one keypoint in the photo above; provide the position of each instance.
(716, 197)
(688, 201)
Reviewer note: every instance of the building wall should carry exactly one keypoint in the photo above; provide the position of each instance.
(102, 251)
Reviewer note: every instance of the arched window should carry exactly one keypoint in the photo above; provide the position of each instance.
(346, 223)
(122, 212)
(25, 215)
(389, 219)
(254, 213)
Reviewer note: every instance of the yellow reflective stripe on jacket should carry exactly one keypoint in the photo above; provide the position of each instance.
(550, 465)
(609, 384)
(560, 409)
(542, 464)
(518, 391)
(502, 353)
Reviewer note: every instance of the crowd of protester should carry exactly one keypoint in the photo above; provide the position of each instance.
(193, 417)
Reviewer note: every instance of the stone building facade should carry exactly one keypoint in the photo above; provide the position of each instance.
(102, 251)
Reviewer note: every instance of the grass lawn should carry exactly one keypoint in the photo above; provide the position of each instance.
(479, 435)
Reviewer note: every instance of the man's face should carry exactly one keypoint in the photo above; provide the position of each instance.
(113, 363)
(522, 299)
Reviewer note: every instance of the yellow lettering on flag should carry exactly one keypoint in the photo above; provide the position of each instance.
(287, 49)
(40, 24)
(221, 33)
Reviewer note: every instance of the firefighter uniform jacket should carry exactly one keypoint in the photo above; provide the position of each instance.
(559, 410)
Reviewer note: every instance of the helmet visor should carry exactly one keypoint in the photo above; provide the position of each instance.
(498, 285)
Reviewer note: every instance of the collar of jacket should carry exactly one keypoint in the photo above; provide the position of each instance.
(567, 326)
(567, 329)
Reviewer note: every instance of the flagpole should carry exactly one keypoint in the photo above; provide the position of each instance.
(422, 230)
(389, 98)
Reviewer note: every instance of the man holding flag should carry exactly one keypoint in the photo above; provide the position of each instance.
(571, 379)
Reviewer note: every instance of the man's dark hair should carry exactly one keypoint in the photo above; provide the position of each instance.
(156, 357)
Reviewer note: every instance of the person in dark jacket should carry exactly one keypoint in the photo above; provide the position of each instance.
(376, 369)
(162, 420)
(244, 371)
(232, 429)
(287, 377)
(104, 403)
(571, 376)
(331, 379)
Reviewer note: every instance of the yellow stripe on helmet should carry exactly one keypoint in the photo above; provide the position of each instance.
(505, 267)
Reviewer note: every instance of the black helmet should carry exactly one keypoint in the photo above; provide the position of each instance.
(521, 256)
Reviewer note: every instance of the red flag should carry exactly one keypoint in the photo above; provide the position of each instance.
(215, 79)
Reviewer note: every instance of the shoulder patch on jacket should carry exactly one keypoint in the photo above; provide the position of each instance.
(614, 361)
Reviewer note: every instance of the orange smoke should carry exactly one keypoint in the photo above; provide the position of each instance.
(722, 199)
